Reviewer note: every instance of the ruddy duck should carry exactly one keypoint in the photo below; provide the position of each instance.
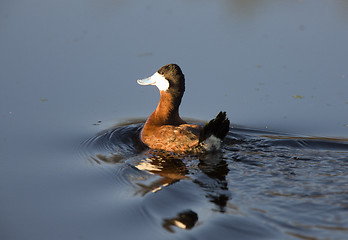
(165, 130)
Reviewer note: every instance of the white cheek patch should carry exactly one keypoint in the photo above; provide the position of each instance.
(160, 81)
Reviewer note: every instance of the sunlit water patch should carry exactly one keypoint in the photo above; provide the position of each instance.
(260, 185)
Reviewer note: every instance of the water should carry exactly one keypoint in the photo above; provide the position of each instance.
(261, 185)
(68, 72)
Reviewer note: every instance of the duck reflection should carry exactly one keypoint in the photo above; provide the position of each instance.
(208, 172)
(171, 168)
(185, 220)
(216, 187)
(167, 166)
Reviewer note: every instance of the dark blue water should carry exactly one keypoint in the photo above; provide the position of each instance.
(262, 185)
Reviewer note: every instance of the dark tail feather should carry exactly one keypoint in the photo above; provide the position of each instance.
(218, 127)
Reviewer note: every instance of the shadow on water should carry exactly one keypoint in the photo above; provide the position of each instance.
(260, 179)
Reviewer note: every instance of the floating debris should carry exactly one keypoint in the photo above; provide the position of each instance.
(297, 96)
(43, 100)
(97, 123)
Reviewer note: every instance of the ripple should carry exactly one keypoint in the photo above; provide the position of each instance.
(294, 184)
(113, 145)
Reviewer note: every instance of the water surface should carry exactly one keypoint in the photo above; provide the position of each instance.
(68, 72)
(261, 185)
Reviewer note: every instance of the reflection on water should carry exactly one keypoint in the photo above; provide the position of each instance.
(216, 186)
(169, 167)
(172, 168)
(184, 220)
(274, 185)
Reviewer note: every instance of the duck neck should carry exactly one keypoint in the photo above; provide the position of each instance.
(167, 111)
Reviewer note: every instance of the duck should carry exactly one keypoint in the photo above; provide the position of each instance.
(166, 130)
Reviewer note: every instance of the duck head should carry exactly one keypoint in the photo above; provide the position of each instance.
(169, 79)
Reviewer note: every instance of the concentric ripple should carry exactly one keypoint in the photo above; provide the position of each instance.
(281, 186)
